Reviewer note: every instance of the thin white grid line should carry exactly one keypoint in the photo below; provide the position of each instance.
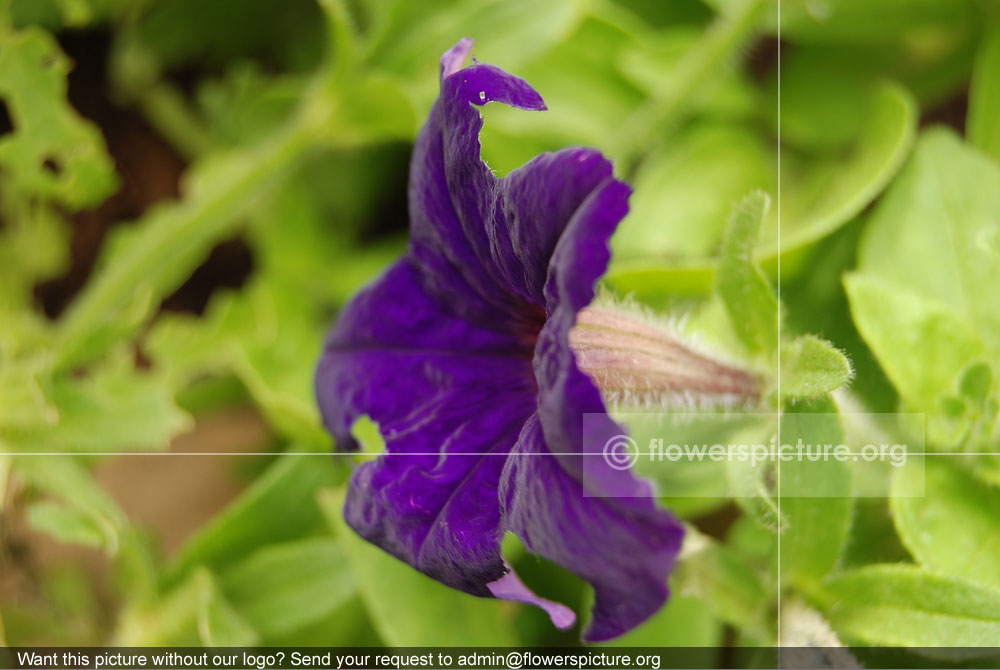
(693, 458)
(779, 330)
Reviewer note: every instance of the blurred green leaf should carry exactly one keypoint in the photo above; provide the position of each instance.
(839, 190)
(949, 520)
(684, 194)
(873, 537)
(378, 112)
(752, 485)
(811, 367)
(279, 507)
(264, 335)
(816, 496)
(182, 32)
(745, 292)
(820, 194)
(275, 353)
(283, 587)
(928, 234)
(408, 38)
(247, 103)
(88, 509)
(727, 95)
(54, 14)
(923, 345)
(671, 99)
(52, 153)
(115, 408)
(729, 587)
(24, 404)
(683, 622)
(144, 262)
(863, 21)
(34, 245)
(65, 524)
(923, 297)
(901, 605)
(408, 608)
(983, 122)
(195, 613)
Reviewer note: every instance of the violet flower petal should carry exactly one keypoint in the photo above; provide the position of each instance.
(436, 385)
(461, 353)
(625, 550)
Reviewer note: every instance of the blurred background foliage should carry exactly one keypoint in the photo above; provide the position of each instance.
(189, 191)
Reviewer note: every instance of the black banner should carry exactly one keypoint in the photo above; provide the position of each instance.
(486, 658)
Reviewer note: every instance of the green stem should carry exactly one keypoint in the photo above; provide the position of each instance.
(166, 109)
(666, 104)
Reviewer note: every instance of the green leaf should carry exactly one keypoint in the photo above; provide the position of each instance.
(837, 191)
(819, 196)
(929, 233)
(408, 608)
(682, 622)
(66, 479)
(52, 153)
(378, 112)
(811, 367)
(949, 520)
(923, 345)
(983, 122)
(722, 579)
(34, 245)
(924, 296)
(23, 402)
(743, 288)
(279, 507)
(66, 524)
(116, 408)
(858, 22)
(728, 93)
(281, 588)
(407, 32)
(143, 263)
(195, 613)
(816, 496)
(684, 193)
(276, 350)
(904, 606)
(269, 336)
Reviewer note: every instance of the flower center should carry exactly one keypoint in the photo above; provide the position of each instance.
(634, 362)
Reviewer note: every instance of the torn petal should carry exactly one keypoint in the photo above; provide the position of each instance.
(454, 58)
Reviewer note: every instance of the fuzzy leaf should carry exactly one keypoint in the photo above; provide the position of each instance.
(904, 606)
(745, 291)
(811, 367)
(949, 520)
(816, 496)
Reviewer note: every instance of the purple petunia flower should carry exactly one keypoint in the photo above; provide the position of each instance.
(461, 352)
